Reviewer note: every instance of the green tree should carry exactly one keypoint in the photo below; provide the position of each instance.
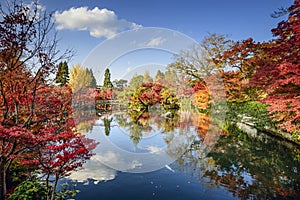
(107, 82)
(107, 126)
(93, 79)
(120, 84)
(62, 75)
(135, 82)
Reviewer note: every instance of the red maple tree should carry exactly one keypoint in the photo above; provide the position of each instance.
(31, 107)
(62, 152)
(279, 75)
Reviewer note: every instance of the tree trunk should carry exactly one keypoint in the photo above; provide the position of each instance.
(48, 187)
(3, 189)
(54, 188)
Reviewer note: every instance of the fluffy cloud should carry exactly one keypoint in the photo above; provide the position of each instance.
(99, 22)
(93, 169)
(155, 150)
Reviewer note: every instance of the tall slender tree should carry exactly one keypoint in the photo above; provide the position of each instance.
(93, 80)
(62, 75)
(107, 82)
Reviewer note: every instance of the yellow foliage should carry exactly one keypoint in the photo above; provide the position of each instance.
(79, 78)
(201, 98)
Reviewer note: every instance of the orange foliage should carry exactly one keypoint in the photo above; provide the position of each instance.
(201, 96)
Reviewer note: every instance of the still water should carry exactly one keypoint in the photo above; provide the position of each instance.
(184, 157)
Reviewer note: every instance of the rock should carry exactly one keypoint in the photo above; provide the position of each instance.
(168, 115)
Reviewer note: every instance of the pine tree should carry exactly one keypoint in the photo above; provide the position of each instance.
(107, 82)
(93, 81)
(62, 75)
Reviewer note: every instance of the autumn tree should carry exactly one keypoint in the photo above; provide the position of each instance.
(197, 62)
(62, 74)
(241, 62)
(201, 97)
(197, 65)
(279, 75)
(240, 56)
(30, 104)
(268, 71)
(81, 77)
(64, 151)
(145, 96)
(27, 57)
(159, 77)
(147, 78)
(150, 94)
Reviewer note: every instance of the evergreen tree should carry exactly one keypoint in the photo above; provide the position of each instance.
(107, 82)
(93, 79)
(62, 75)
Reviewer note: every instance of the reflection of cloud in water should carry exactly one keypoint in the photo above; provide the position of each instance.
(179, 144)
(114, 159)
(155, 149)
(93, 169)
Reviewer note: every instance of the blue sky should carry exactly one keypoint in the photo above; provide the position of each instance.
(83, 24)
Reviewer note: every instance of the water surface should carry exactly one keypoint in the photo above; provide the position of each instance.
(209, 163)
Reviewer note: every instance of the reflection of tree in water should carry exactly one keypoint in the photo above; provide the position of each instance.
(85, 119)
(193, 128)
(107, 123)
(247, 167)
(83, 106)
(145, 123)
(136, 132)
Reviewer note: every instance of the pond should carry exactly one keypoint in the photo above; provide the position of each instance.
(184, 157)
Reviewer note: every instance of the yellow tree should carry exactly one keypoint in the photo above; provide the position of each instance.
(80, 78)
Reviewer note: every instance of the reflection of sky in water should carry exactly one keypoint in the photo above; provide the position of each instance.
(122, 150)
(161, 184)
(93, 169)
(121, 138)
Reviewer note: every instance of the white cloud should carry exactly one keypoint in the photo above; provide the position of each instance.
(95, 170)
(113, 159)
(155, 42)
(99, 22)
(155, 150)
